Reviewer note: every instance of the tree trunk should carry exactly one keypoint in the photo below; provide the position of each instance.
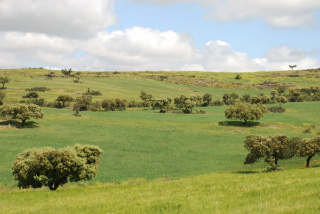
(308, 161)
(23, 122)
(3, 85)
(276, 161)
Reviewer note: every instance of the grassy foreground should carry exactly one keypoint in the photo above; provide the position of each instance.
(291, 191)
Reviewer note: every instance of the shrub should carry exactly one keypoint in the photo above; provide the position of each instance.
(31, 94)
(245, 112)
(308, 148)
(245, 98)
(133, 104)
(92, 92)
(2, 96)
(238, 77)
(41, 89)
(37, 101)
(21, 112)
(96, 106)
(4, 80)
(55, 167)
(217, 103)
(230, 99)
(82, 103)
(63, 100)
(146, 99)
(114, 105)
(66, 72)
(162, 104)
(184, 104)
(206, 99)
(276, 109)
(272, 149)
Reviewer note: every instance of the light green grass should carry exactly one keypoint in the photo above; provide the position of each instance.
(146, 144)
(285, 192)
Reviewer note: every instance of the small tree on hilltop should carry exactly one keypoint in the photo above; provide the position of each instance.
(308, 148)
(292, 67)
(66, 72)
(55, 167)
(272, 149)
(245, 112)
(21, 112)
(4, 80)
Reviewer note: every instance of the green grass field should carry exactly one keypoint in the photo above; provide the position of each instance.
(162, 163)
(286, 192)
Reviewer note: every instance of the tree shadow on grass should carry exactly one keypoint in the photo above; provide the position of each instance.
(239, 123)
(18, 125)
(246, 172)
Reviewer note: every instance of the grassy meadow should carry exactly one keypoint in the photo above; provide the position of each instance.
(163, 163)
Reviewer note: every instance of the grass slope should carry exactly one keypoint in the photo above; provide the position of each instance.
(146, 144)
(291, 191)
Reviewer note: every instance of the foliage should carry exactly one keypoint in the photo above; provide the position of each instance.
(37, 101)
(276, 109)
(308, 148)
(2, 96)
(66, 72)
(245, 112)
(230, 99)
(184, 103)
(82, 103)
(92, 92)
(206, 99)
(272, 149)
(4, 80)
(31, 94)
(114, 105)
(146, 99)
(21, 112)
(55, 167)
(62, 100)
(41, 89)
(162, 104)
(238, 77)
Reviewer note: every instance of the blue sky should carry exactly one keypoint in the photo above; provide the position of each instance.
(201, 35)
(251, 36)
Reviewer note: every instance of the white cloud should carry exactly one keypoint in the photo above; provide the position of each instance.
(67, 18)
(283, 13)
(139, 48)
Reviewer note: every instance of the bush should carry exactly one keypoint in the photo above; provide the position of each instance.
(184, 104)
(93, 92)
(230, 99)
(66, 72)
(55, 167)
(162, 104)
(4, 80)
(245, 112)
(21, 112)
(31, 94)
(206, 99)
(146, 99)
(2, 96)
(217, 103)
(238, 77)
(276, 109)
(82, 103)
(114, 105)
(134, 104)
(96, 106)
(63, 101)
(40, 89)
(37, 101)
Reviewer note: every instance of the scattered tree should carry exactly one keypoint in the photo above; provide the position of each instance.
(292, 67)
(66, 72)
(62, 100)
(206, 99)
(55, 167)
(230, 99)
(308, 148)
(245, 112)
(2, 96)
(4, 80)
(146, 99)
(184, 103)
(272, 149)
(31, 94)
(82, 103)
(22, 112)
(162, 104)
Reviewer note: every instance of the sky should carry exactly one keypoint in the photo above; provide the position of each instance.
(191, 35)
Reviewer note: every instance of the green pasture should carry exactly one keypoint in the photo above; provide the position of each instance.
(147, 144)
